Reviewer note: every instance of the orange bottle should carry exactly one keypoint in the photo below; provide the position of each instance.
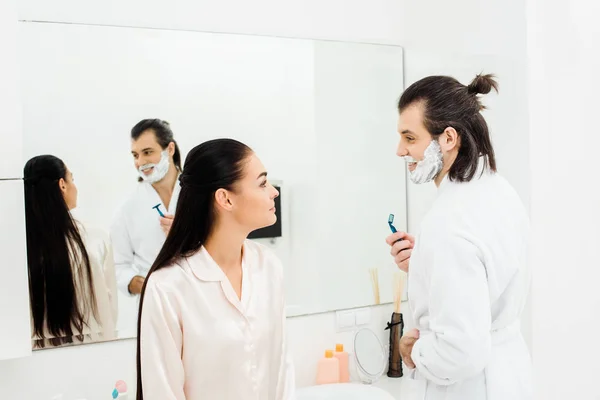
(342, 357)
(328, 369)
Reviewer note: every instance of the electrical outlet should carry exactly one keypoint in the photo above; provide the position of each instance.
(345, 320)
(362, 316)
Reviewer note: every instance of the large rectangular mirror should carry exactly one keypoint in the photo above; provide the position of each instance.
(321, 115)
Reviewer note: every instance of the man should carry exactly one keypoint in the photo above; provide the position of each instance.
(469, 273)
(138, 231)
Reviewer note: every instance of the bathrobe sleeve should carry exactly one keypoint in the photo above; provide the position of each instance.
(459, 344)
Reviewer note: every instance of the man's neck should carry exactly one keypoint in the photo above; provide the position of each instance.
(440, 177)
(165, 186)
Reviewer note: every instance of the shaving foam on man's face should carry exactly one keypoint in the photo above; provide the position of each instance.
(429, 167)
(159, 170)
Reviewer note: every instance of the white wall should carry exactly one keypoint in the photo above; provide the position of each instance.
(14, 307)
(450, 37)
(375, 21)
(10, 152)
(563, 71)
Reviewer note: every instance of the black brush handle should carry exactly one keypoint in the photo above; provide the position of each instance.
(396, 327)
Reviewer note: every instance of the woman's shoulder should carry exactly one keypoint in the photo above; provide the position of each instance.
(93, 235)
(171, 277)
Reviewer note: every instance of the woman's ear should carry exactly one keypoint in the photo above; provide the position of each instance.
(62, 185)
(223, 199)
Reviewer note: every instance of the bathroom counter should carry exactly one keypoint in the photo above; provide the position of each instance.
(384, 388)
(390, 385)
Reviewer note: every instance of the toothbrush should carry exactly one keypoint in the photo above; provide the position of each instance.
(160, 212)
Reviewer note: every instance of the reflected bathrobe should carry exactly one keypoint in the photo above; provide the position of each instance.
(468, 285)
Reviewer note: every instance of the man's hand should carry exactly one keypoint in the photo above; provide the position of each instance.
(401, 244)
(135, 286)
(166, 222)
(406, 345)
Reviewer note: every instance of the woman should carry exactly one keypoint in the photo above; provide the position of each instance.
(72, 285)
(468, 276)
(211, 322)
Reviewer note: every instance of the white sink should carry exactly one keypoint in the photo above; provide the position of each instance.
(342, 391)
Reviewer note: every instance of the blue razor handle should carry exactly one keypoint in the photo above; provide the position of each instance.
(392, 227)
(158, 209)
(390, 223)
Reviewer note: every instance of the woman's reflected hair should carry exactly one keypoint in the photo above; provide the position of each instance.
(58, 263)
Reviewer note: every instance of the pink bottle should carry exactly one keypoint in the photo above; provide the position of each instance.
(342, 357)
(328, 369)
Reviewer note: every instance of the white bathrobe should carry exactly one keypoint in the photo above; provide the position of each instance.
(136, 233)
(199, 341)
(468, 285)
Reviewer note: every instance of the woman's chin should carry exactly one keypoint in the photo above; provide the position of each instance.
(269, 221)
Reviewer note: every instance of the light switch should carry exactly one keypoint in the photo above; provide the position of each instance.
(345, 320)
(363, 316)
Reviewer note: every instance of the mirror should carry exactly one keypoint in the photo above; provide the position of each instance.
(321, 115)
(370, 355)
